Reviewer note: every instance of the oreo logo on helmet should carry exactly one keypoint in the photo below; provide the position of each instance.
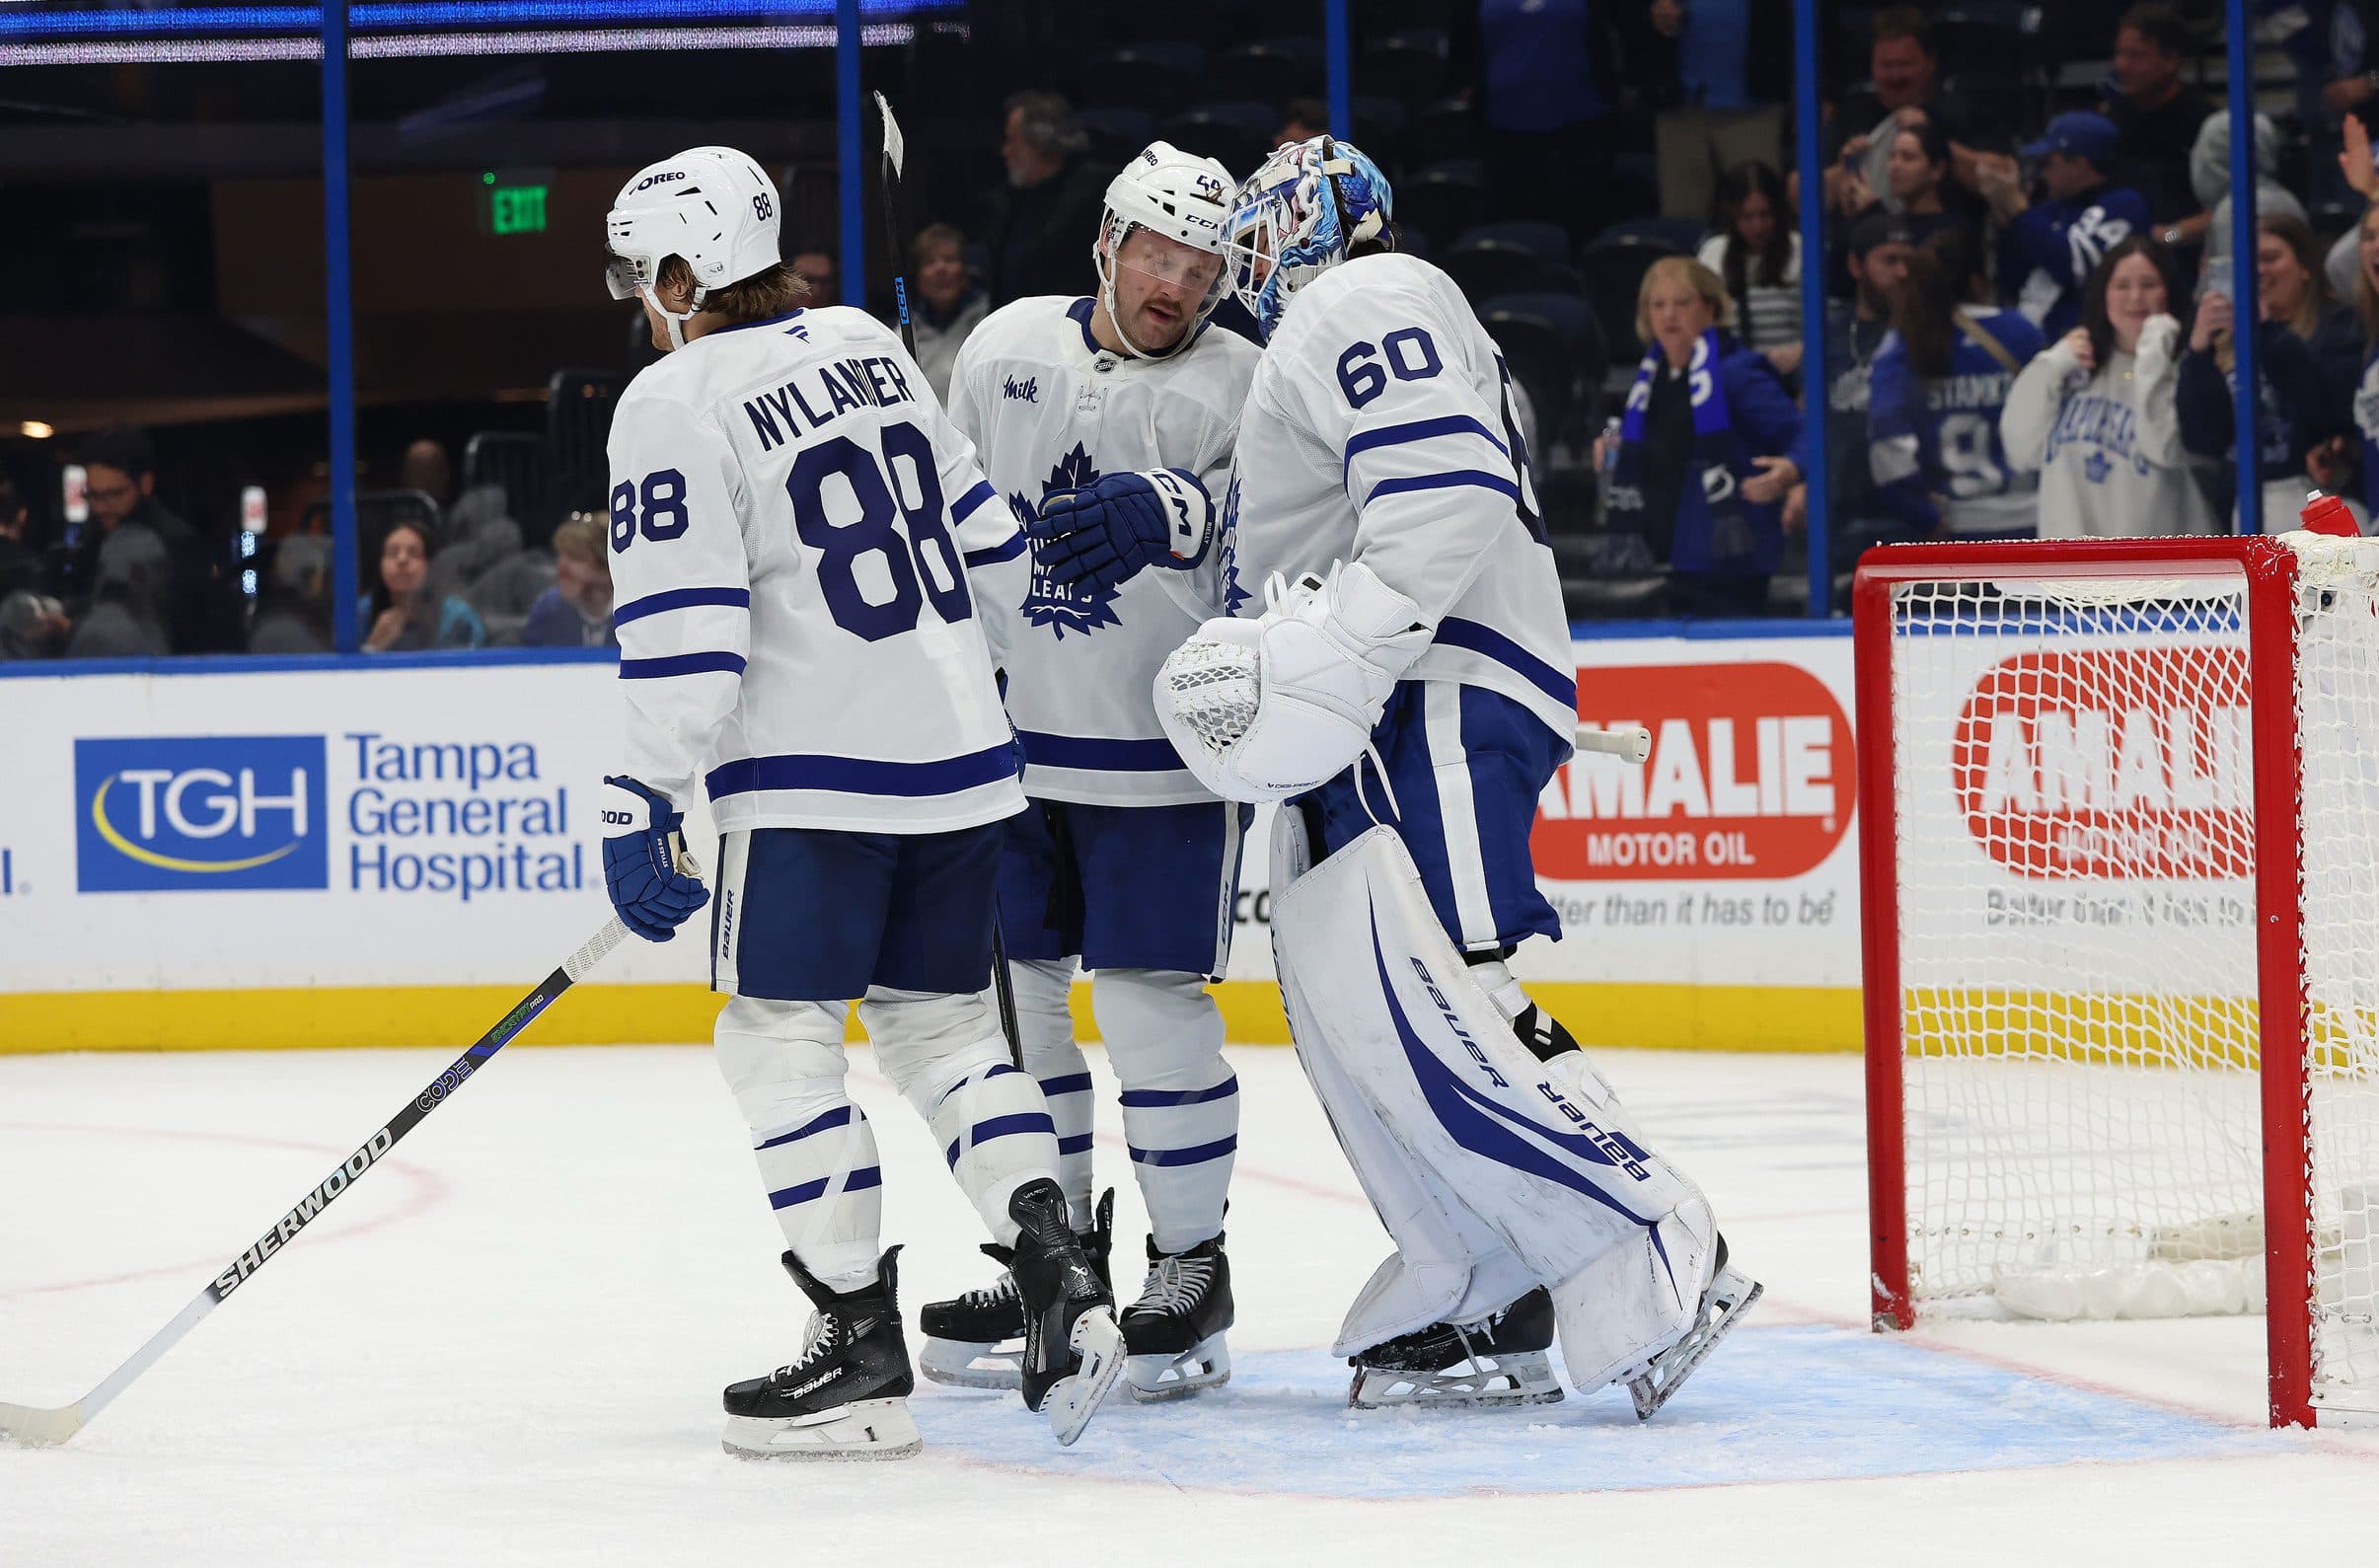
(662, 178)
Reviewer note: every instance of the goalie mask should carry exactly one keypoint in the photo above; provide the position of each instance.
(1299, 216)
(1175, 197)
(713, 207)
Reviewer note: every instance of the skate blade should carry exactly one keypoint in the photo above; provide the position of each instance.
(1072, 1401)
(1730, 1296)
(1522, 1379)
(964, 1365)
(1205, 1364)
(864, 1429)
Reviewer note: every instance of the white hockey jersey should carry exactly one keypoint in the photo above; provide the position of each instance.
(793, 520)
(1379, 430)
(1049, 410)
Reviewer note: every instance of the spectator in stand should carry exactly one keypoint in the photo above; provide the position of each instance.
(1878, 256)
(403, 612)
(2334, 77)
(1706, 452)
(19, 565)
(2343, 265)
(2096, 414)
(1940, 383)
(817, 269)
(1053, 198)
(133, 583)
(2291, 289)
(32, 626)
(2366, 390)
(1543, 76)
(2049, 250)
(576, 612)
(1756, 252)
(2156, 116)
(2209, 173)
(1302, 120)
(1918, 183)
(199, 600)
(1905, 91)
(1731, 74)
(948, 304)
(295, 616)
(2294, 415)
(426, 467)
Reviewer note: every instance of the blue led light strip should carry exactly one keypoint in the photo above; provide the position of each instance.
(448, 15)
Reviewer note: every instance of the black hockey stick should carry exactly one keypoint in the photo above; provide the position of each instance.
(1003, 988)
(41, 1429)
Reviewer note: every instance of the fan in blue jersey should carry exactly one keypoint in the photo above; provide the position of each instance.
(1404, 683)
(793, 523)
(1939, 383)
(2048, 248)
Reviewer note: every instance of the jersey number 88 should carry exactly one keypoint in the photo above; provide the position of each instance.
(902, 573)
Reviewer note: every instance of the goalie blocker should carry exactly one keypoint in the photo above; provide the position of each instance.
(1494, 1171)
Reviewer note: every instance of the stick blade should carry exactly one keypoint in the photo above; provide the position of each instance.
(895, 145)
(30, 1428)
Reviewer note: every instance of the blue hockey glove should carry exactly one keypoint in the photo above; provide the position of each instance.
(1105, 534)
(654, 897)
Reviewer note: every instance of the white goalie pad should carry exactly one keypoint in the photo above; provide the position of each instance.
(1492, 1169)
(1266, 709)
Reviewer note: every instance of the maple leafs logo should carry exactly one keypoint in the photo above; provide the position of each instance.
(1078, 607)
(1234, 595)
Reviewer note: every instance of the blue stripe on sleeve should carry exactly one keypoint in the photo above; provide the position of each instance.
(1453, 479)
(1002, 1127)
(1100, 752)
(991, 557)
(863, 774)
(1456, 633)
(1078, 1145)
(972, 499)
(1071, 1083)
(680, 664)
(1420, 430)
(680, 599)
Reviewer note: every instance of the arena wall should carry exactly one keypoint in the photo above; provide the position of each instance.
(246, 853)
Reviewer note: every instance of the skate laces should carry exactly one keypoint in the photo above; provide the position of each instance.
(987, 1295)
(825, 1331)
(1176, 1283)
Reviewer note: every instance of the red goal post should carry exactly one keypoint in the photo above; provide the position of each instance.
(2120, 861)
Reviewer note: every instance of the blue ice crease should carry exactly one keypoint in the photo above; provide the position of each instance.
(1774, 1404)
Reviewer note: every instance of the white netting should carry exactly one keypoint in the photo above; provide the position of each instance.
(2076, 854)
(1210, 686)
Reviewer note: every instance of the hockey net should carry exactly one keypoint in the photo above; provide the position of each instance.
(2120, 850)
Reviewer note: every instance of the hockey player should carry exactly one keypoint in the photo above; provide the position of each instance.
(792, 521)
(1410, 668)
(1123, 863)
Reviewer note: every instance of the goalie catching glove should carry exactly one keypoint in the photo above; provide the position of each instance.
(1270, 708)
(1106, 533)
(640, 863)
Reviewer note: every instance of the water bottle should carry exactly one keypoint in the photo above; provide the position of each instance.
(1606, 466)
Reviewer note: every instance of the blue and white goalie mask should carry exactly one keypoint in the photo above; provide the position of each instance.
(1303, 213)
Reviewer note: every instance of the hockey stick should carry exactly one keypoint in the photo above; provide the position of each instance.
(896, 150)
(42, 1428)
(1633, 743)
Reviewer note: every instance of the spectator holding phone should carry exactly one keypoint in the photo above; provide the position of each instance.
(2049, 249)
(2293, 415)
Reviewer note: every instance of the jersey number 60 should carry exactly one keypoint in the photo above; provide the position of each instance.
(883, 597)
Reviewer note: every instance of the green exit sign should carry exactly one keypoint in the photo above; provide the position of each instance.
(516, 209)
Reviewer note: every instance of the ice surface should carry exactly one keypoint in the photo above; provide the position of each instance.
(506, 1346)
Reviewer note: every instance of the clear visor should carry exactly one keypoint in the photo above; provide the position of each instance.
(623, 277)
(1169, 261)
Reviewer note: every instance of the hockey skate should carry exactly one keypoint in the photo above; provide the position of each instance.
(1729, 1296)
(976, 1340)
(1173, 1334)
(845, 1397)
(1497, 1360)
(1074, 1352)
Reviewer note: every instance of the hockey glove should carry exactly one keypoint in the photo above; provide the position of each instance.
(1106, 533)
(654, 897)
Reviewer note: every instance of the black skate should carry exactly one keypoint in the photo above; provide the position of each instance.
(1730, 1294)
(1173, 1334)
(1072, 1350)
(976, 1340)
(846, 1395)
(1497, 1360)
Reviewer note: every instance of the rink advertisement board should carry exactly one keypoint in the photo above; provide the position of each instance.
(390, 852)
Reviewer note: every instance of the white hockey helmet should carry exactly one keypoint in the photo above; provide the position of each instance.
(1178, 197)
(712, 206)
